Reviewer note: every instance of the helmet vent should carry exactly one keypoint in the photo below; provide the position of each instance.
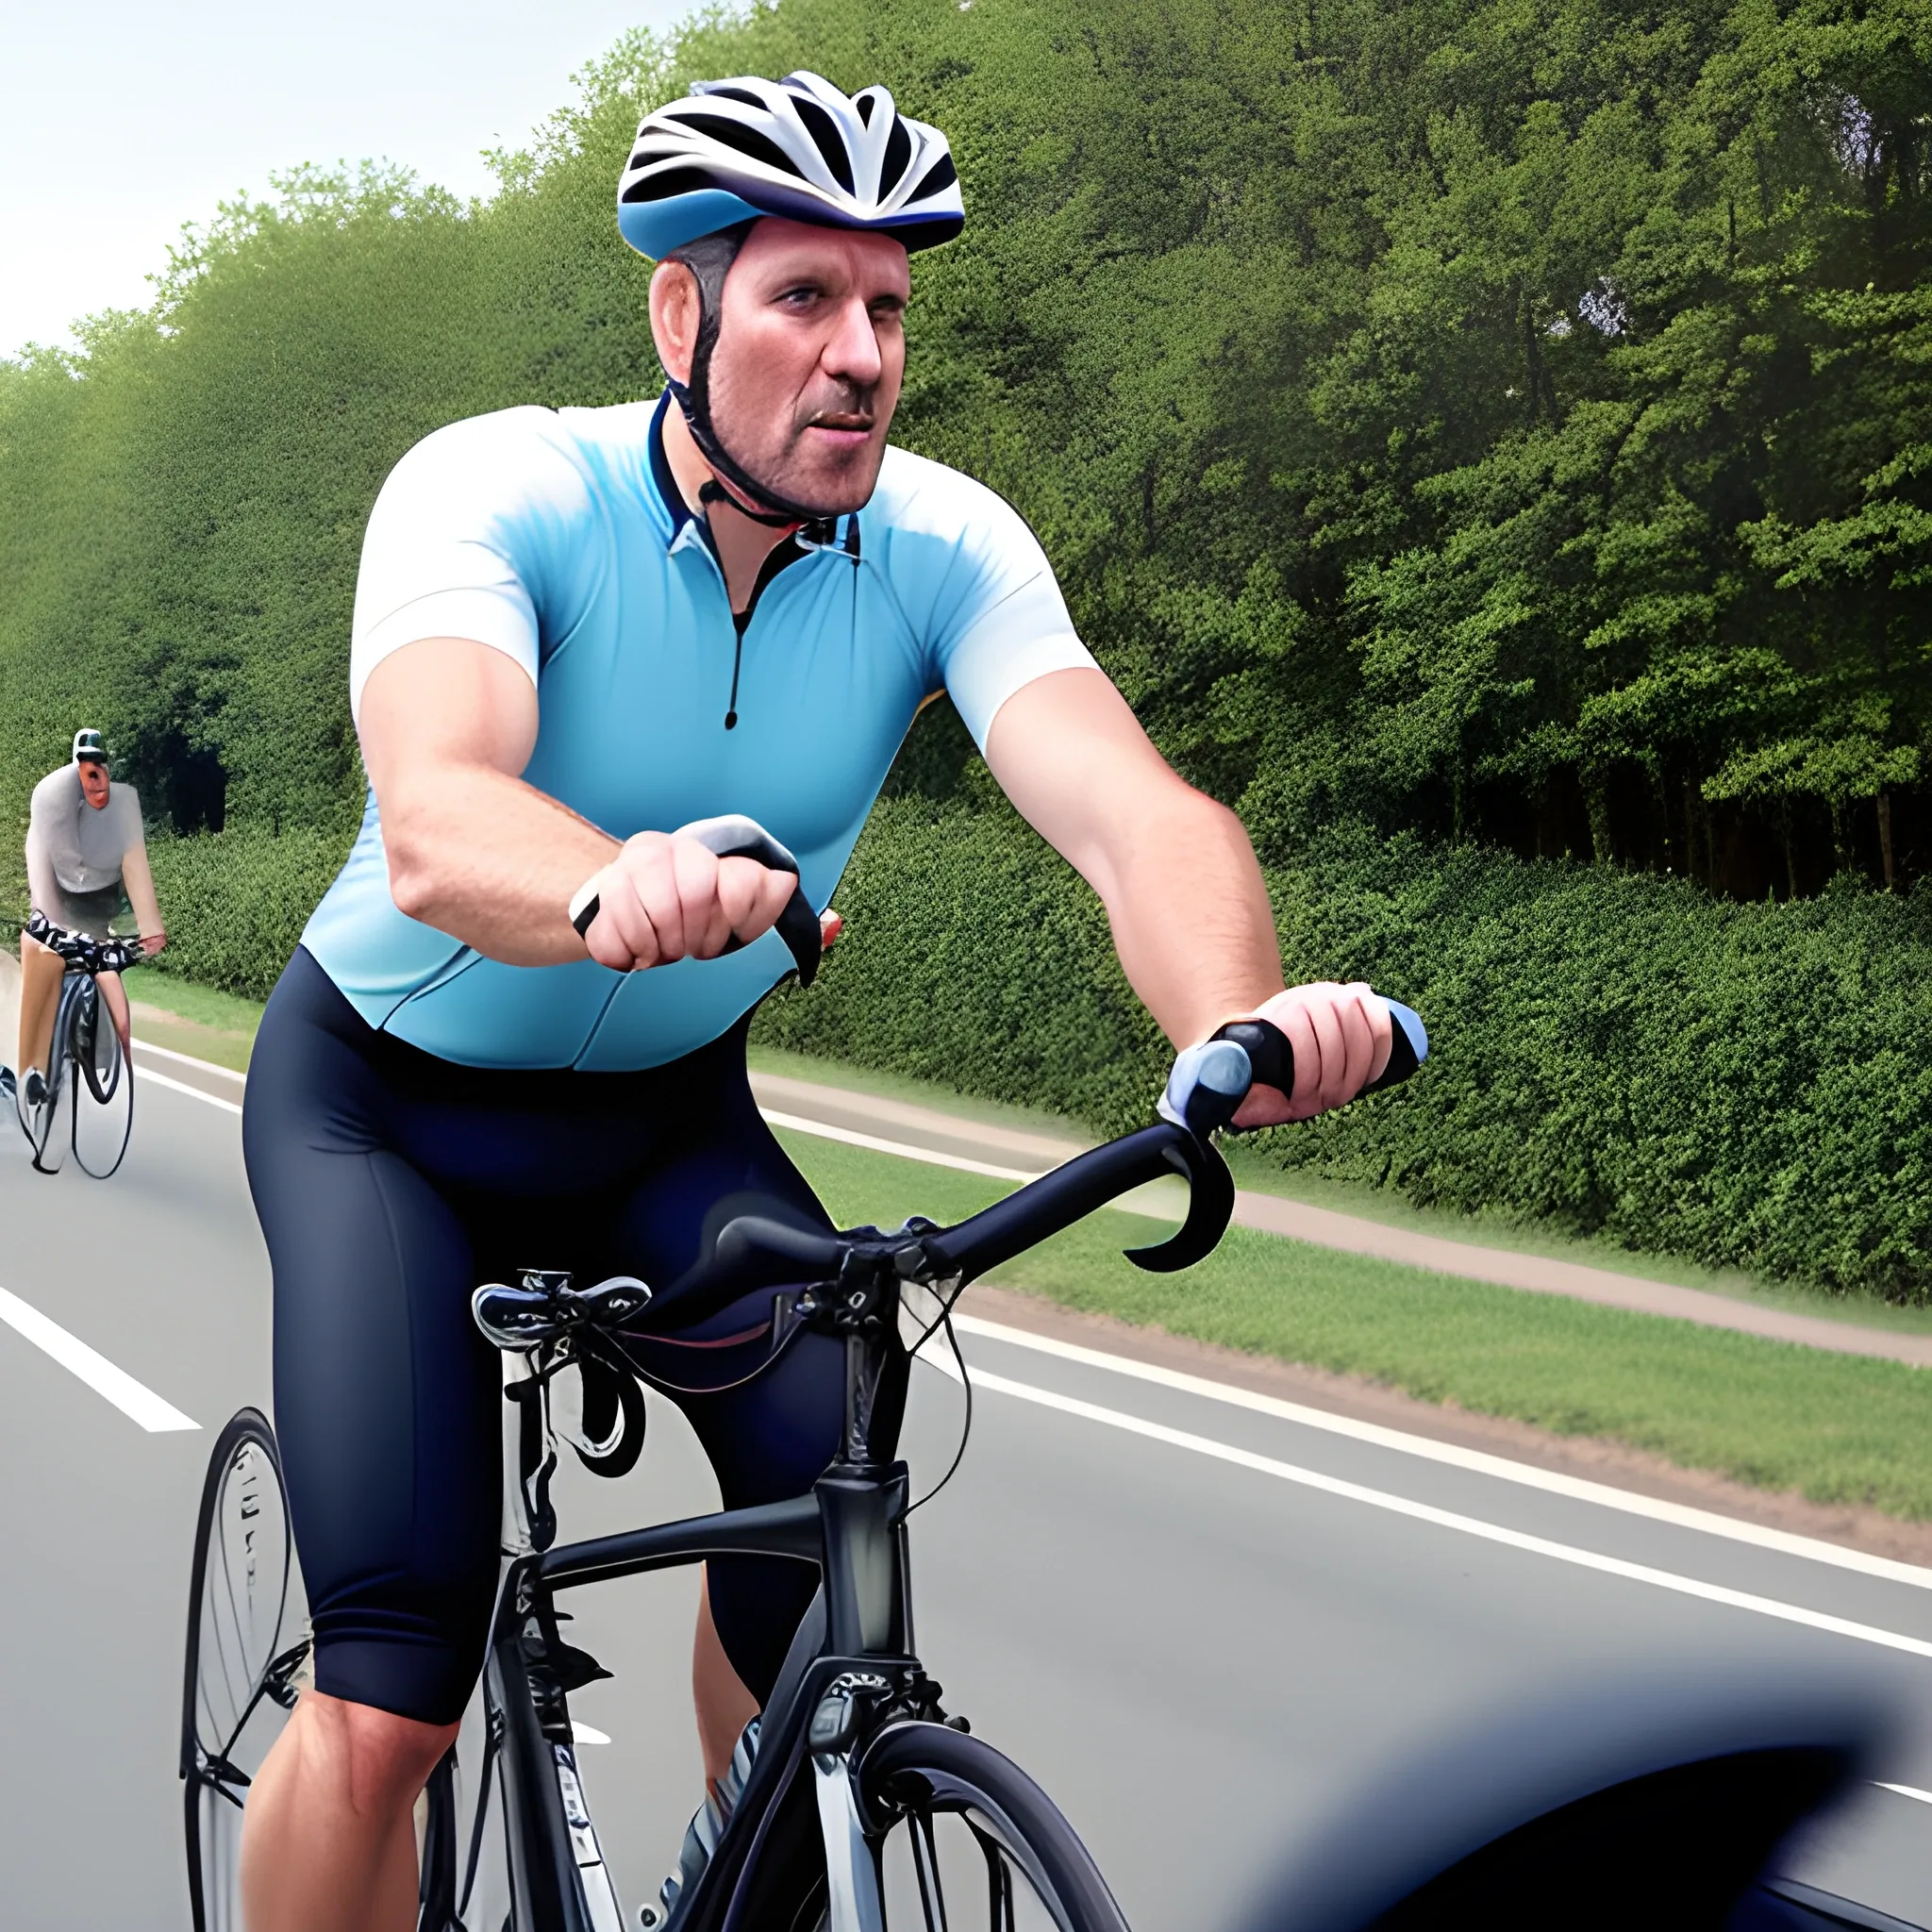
(864, 104)
(825, 137)
(746, 141)
(898, 152)
(671, 182)
(941, 175)
(733, 93)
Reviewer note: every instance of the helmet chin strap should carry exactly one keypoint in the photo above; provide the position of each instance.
(732, 483)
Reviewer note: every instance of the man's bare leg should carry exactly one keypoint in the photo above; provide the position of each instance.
(724, 1706)
(41, 969)
(328, 1841)
(116, 997)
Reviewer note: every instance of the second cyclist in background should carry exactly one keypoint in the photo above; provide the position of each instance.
(86, 863)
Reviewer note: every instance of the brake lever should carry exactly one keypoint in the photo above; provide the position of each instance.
(735, 837)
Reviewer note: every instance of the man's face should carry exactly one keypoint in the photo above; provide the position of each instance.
(93, 782)
(811, 354)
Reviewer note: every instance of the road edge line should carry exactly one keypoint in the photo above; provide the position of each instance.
(1452, 1520)
(188, 1059)
(1477, 1462)
(149, 1077)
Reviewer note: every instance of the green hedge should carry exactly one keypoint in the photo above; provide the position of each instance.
(236, 902)
(1615, 1054)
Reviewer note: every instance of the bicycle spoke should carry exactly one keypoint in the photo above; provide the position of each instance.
(999, 1882)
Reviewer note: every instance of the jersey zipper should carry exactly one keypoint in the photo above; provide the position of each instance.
(778, 559)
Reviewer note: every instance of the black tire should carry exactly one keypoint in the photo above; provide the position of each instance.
(97, 1047)
(101, 1093)
(996, 1849)
(914, 1774)
(56, 1118)
(242, 1656)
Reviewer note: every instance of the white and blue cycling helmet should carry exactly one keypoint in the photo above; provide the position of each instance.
(732, 150)
(705, 168)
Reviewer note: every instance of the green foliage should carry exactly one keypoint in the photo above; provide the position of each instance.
(1504, 421)
(1835, 1428)
(236, 902)
(1617, 1055)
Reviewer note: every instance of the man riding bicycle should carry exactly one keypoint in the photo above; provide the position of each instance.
(86, 863)
(514, 1033)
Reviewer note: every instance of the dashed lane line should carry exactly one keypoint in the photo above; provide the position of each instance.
(133, 1399)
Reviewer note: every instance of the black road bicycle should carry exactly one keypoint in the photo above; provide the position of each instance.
(866, 1804)
(867, 1807)
(90, 1105)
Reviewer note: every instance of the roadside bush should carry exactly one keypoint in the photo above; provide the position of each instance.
(1616, 1053)
(236, 902)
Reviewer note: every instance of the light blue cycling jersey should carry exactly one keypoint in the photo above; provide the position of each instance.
(560, 539)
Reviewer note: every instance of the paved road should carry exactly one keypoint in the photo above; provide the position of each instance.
(1192, 1654)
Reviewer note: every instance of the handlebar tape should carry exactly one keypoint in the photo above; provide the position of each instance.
(735, 837)
(1209, 1082)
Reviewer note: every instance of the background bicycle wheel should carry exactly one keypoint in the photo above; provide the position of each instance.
(101, 1099)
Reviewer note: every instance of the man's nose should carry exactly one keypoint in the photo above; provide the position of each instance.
(853, 353)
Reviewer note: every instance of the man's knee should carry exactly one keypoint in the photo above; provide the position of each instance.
(378, 1759)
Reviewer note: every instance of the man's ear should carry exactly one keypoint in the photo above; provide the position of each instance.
(675, 312)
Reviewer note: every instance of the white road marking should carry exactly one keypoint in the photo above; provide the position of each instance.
(1502, 1468)
(1905, 1790)
(1441, 1518)
(187, 1059)
(154, 1079)
(1525, 1474)
(799, 1124)
(587, 1734)
(134, 1400)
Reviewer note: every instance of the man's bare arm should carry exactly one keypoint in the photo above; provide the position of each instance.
(43, 889)
(447, 726)
(1183, 891)
(138, 882)
(1174, 870)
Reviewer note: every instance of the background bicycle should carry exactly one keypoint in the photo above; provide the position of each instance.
(89, 1106)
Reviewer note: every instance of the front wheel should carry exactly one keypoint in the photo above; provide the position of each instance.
(245, 1652)
(965, 1837)
(102, 1117)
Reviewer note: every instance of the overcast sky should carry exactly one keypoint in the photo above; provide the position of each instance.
(120, 122)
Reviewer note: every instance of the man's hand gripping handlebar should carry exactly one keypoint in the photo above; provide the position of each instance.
(733, 837)
(751, 1252)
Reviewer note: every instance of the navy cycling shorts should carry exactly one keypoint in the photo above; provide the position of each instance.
(390, 1183)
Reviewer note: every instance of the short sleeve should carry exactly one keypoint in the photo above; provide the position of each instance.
(463, 542)
(999, 620)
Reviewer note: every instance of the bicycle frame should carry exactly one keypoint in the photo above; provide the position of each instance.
(851, 1664)
(852, 1669)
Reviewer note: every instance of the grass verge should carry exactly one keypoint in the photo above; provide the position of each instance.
(191, 1019)
(1838, 1429)
(219, 1026)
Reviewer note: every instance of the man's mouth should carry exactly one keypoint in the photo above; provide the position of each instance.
(842, 427)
